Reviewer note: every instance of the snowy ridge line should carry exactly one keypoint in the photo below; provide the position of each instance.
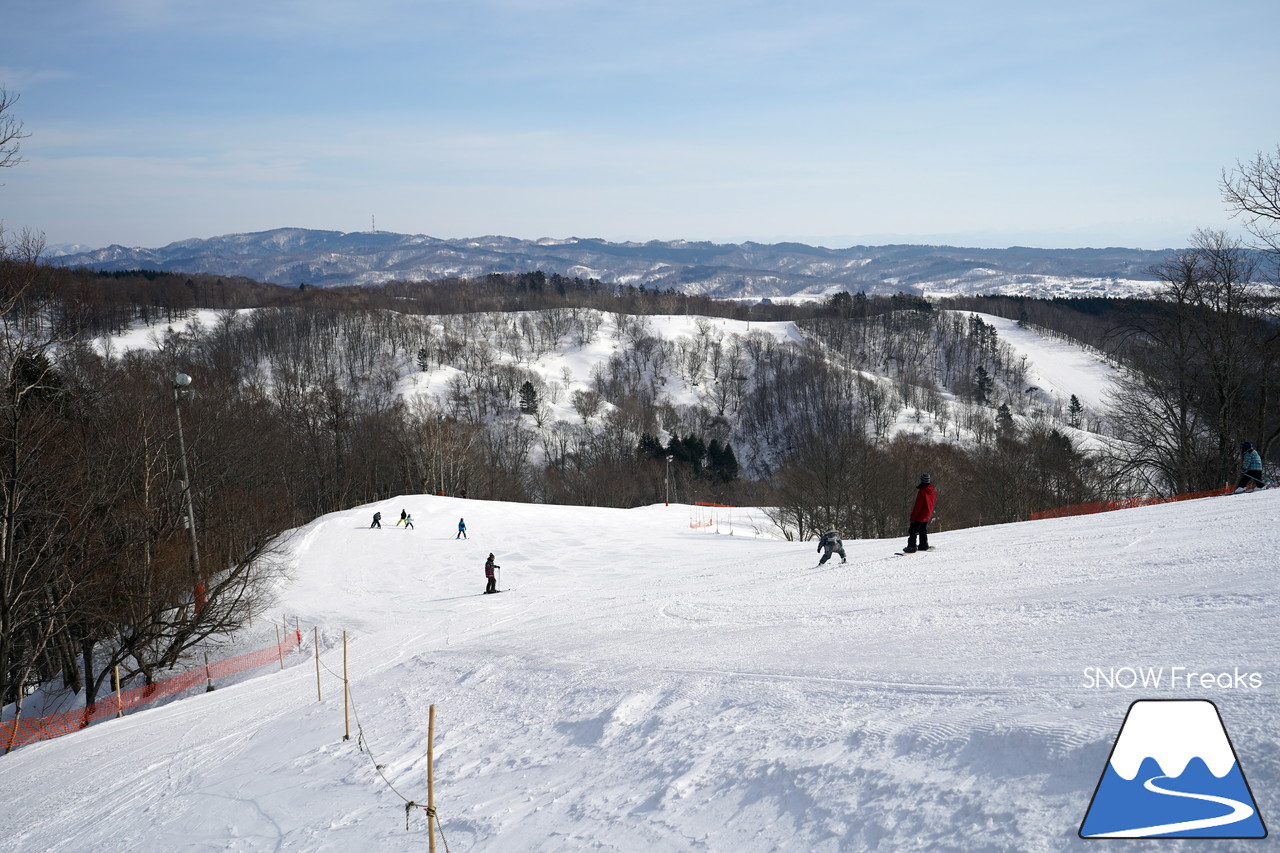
(20, 731)
(1124, 503)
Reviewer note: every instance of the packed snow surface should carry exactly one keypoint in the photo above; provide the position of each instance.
(645, 685)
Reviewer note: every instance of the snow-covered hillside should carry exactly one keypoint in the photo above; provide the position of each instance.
(1055, 368)
(647, 686)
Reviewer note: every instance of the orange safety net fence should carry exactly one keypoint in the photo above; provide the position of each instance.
(31, 729)
(1125, 503)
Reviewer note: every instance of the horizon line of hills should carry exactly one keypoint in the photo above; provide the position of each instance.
(294, 256)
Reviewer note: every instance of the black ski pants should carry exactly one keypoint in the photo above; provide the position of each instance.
(1252, 477)
(918, 529)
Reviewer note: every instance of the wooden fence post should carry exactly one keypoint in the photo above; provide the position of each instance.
(279, 647)
(318, 697)
(431, 792)
(346, 689)
(119, 700)
(207, 676)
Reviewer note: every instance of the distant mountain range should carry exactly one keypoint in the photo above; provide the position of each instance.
(292, 256)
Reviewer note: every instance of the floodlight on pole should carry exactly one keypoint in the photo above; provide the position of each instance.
(668, 479)
(180, 383)
(440, 450)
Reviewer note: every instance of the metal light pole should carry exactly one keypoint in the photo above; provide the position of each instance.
(668, 480)
(180, 383)
(440, 450)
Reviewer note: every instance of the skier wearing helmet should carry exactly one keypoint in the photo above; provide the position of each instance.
(1251, 470)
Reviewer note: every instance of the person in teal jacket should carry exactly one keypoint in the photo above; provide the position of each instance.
(1251, 473)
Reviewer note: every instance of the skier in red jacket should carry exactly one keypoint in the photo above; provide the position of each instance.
(921, 515)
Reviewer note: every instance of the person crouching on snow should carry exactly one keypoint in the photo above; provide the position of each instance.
(831, 542)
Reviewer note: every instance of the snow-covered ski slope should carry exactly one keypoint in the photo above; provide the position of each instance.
(645, 686)
(1058, 367)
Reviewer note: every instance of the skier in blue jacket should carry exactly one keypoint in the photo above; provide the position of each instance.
(1251, 470)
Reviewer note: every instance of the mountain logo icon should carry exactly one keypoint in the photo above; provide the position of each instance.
(1173, 773)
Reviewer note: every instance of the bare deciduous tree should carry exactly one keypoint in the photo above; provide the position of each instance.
(1252, 191)
(11, 132)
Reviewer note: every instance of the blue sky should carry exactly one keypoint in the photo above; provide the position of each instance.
(981, 123)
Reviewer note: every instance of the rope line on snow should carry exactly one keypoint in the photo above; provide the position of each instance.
(362, 743)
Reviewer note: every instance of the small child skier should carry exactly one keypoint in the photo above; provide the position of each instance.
(921, 515)
(462, 530)
(377, 520)
(489, 566)
(831, 542)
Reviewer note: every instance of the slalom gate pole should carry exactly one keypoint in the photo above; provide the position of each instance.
(318, 697)
(431, 791)
(346, 689)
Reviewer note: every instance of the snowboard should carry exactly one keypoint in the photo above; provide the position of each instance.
(921, 551)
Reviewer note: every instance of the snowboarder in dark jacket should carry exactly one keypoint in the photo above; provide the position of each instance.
(921, 515)
(377, 520)
(489, 566)
(1251, 470)
(831, 542)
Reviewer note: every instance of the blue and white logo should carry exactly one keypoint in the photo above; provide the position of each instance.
(1173, 774)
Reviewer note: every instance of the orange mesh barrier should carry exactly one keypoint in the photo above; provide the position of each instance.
(1126, 503)
(32, 729)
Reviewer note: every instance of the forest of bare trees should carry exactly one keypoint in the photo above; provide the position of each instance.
(297, 410)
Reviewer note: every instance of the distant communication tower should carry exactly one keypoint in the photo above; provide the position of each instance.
(373, 224)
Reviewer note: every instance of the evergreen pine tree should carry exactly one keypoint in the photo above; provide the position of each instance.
(650, 447)
(528, 398)
(982, 384)
(1004, 420)
(1075, 412)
